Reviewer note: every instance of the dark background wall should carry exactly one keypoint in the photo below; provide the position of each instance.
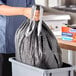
(70, 2)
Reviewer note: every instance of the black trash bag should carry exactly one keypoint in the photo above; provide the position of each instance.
(36, 45)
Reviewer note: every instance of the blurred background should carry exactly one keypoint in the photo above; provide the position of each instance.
(66, 7)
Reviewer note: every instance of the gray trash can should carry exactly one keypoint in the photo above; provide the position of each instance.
(20, 69)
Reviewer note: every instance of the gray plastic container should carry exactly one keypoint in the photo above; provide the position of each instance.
(20, 69)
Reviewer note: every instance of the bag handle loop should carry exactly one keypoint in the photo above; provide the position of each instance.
(32, 21)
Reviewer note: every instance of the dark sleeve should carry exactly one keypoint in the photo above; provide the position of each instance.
(29, 3)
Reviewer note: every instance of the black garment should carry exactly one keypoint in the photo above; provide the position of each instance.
(5, 65)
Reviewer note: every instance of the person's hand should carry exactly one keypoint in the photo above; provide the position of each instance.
(27, 13)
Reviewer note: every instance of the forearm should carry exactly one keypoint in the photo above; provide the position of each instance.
(10, 11)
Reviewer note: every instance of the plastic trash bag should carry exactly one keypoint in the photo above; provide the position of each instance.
(36, 45)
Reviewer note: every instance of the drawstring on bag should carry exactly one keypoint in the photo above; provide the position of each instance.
(32, 21)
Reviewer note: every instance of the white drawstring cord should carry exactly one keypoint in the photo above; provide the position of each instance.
(32, 22)
(28, 32)
(40, 22)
